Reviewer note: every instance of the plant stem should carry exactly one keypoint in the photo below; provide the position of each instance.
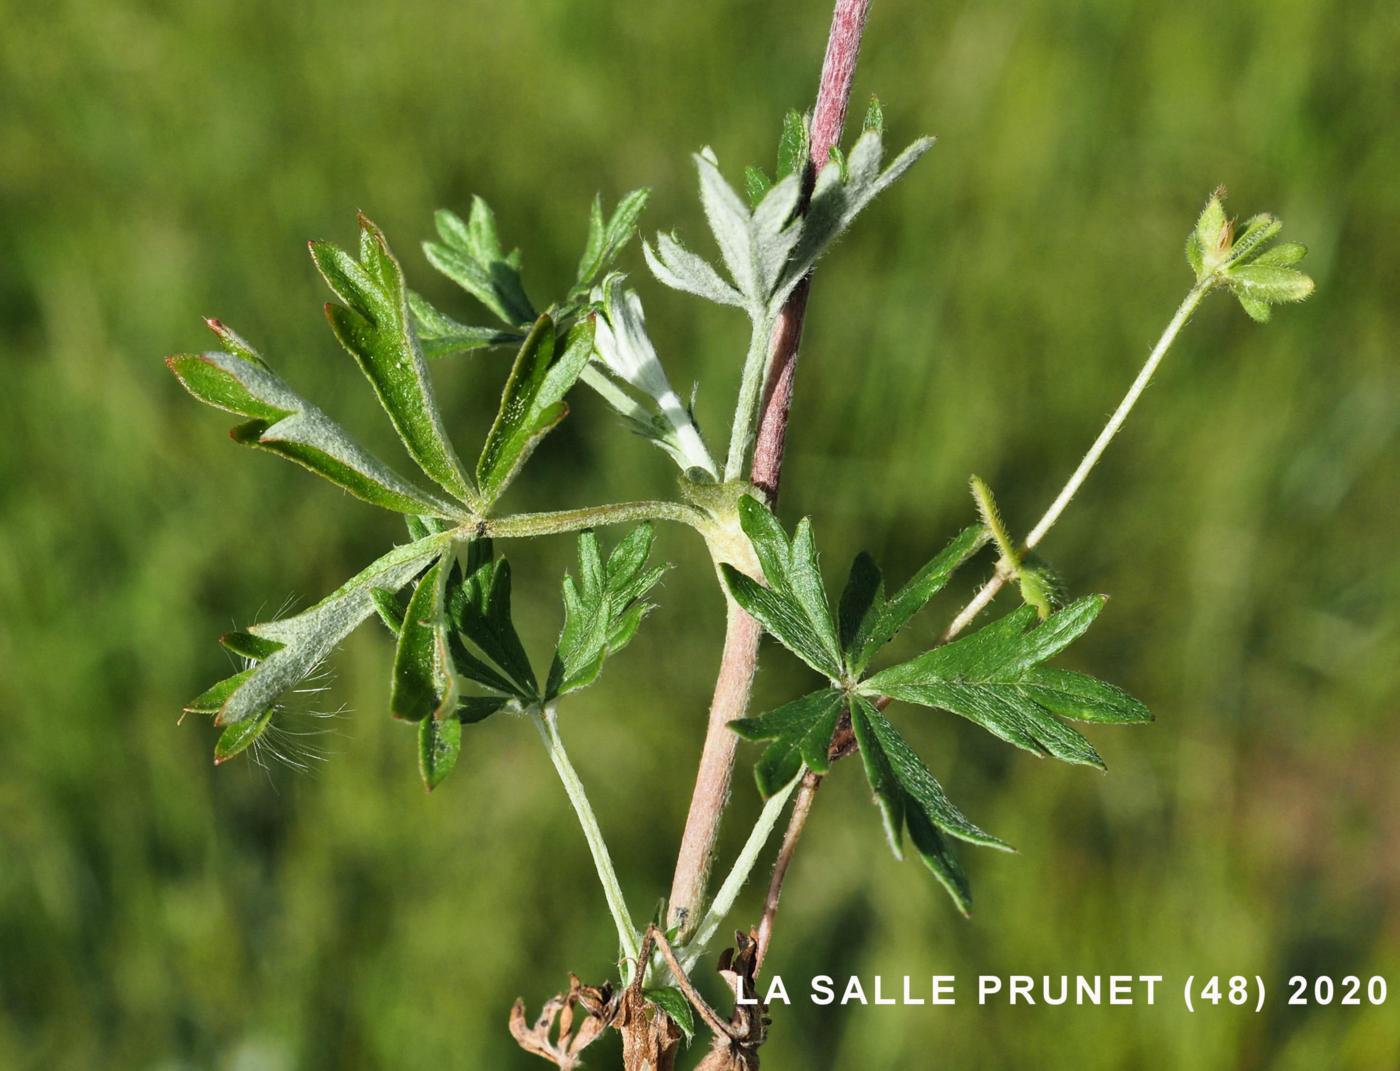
(728, 892)
(525, 525)
(1091, 458)
(797, 821)
(746, 409)
(740, 656)
(547, 723)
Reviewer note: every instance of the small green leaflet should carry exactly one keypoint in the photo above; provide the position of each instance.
(470, 255)
(374, 326)
(800, 732)
(485, 647)
(283, 423)
(532, 403)
(1258, 276)
(424, 682)
(606, 240)
(995, 677)
(442, 336)
(603, 609)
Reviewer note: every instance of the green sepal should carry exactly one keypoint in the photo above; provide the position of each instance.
(246, 645)
(212, 699)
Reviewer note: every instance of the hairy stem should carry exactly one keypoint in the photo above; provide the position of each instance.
(1091, 458)
(547, 723)
(740, 657)
(728, 892)
(526, 525)
(797, 822)
(746, 408)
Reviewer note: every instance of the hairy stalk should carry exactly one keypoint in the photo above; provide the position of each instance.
(525, 525)
(756, 362)
(740, 658)
(1091, 458)
(797, 822)
(728, 892)
(547, 723)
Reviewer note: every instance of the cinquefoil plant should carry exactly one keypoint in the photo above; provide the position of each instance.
(445, 595)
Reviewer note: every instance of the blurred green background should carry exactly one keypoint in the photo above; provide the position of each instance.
(160, 162)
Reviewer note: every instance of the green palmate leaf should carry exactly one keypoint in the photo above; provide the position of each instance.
(532, 402)
(606, 240)
(880, 628)
(283, 423)
(994, 678)
(801, 732)
(305, 639)
(442, 336)
(793, 607)
(470, 255)
(889, 794)
(603, 609)
(374, 325)
(478, 605)
(424, 685)
(672, 1001)
(439, 744)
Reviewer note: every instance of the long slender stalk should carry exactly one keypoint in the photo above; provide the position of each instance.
(740, 657)
(797, 822)
(547, 723)
(1091, 458)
